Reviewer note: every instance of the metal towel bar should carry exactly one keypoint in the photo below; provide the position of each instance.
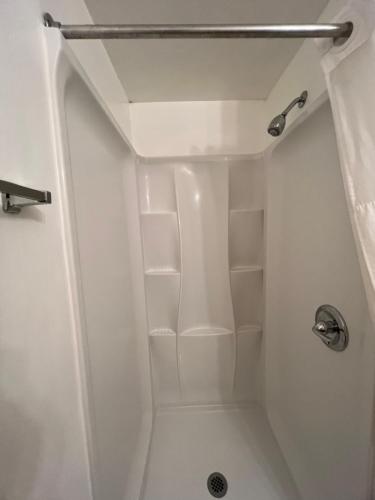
(35, 197)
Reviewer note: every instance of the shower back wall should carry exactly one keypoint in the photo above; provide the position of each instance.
(202, 228)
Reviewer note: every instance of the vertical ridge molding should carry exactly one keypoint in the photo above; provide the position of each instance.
(178, 344)
(202, 201)
(229, 265)
(206, 322)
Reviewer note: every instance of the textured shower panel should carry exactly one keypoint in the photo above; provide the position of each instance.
(202, 229)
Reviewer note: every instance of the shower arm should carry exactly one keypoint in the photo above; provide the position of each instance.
(300, 100)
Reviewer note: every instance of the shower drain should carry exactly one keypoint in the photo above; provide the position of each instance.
(217, 485)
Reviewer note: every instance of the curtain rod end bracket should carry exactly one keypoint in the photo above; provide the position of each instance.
(343, 38)
(49, 21)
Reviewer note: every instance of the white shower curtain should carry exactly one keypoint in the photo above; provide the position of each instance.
(350, 75)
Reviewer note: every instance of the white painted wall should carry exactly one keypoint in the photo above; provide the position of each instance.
(165, 129)
(43, 451)
(319, 401)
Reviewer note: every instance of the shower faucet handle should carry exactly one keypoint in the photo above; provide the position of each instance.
(327, 331)
(331, 328)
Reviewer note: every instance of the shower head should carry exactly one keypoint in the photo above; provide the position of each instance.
(277, 125)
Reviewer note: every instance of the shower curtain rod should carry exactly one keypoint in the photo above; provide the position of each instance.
(130, 31)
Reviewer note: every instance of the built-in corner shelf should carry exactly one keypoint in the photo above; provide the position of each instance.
(245, 210)
(246, 269)
(160, 242)
(162, 272)
(158, 213)
(206, 330)
(249, 329)
(246, 240)
(246, 248)
(162, 332)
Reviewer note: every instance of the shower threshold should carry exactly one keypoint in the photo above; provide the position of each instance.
(191, 443)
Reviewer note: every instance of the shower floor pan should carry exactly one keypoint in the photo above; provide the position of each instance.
(189, 444)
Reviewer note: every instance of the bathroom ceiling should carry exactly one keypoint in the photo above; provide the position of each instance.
(201, 70)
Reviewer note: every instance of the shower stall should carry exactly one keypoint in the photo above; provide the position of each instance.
(208, 323)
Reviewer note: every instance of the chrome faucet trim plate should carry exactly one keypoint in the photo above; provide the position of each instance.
(331, 328)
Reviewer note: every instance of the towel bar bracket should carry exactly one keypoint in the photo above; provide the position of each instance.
(34, 197)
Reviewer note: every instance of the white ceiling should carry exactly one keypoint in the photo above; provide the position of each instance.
(201, 70)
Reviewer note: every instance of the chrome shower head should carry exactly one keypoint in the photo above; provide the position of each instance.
(277, 125)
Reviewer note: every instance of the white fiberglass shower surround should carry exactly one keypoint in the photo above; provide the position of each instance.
(204, 297)
(193, 275)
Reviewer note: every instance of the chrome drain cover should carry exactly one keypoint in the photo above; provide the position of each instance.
(217, 485)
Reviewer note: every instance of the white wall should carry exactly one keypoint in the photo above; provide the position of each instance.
(117, 363)
(91, 54)
(202, 228)
(319, 401)
(43, 450)
(303, 72)
(167, 129)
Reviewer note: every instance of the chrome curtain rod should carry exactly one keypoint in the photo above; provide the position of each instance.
(130, 31)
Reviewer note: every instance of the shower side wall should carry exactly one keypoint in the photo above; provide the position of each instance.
(319, 401)
(99, 187)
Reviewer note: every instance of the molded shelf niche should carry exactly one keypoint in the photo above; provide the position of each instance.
(245, 210)
(248, 351)
(160, 242)
(246, 269)
(164, 367)
(162, 295)
(162, 272)
(247, 294)
(205, 330)
(245, 238)
(207, 366)
(156, 188)
(249, 329)
(246, 185)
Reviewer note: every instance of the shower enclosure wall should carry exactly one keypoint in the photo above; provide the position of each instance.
(319, 401)
(102, 242)
(156, 318)
(174, 267)
(202, 228)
